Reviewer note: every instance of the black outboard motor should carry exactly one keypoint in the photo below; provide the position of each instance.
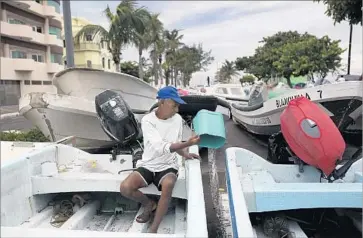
(119, 123)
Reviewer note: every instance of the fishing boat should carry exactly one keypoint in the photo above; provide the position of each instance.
(61, 191)
(317, 195)
(229, 92)
(59, 116)
(87, 83)
(342, 102)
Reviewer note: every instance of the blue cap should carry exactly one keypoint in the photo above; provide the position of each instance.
(170, 92)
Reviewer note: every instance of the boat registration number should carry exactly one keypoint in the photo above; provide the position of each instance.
(261, 121)
(284, 101)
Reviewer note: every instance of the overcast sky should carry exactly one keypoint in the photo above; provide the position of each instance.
(233, 28)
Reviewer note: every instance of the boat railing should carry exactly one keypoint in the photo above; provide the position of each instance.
(69, 140)
(240, 220)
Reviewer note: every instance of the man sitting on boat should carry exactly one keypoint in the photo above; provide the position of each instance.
(162, 132)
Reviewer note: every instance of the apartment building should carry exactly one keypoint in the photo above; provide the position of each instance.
(90, 53)
(31, 47)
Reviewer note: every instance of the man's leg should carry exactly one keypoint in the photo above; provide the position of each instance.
(130, 188)
(167, 184)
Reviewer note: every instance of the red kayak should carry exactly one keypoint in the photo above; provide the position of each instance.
(312, 135)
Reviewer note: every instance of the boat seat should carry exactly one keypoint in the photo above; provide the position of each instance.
(246, 108)
(96, 182)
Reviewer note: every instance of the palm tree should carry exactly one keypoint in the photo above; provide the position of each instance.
(172, 43)
(227, 71)
(155, 30)
(124, 24)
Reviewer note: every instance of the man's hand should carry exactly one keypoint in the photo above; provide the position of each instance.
(194, 140)
(191, 156)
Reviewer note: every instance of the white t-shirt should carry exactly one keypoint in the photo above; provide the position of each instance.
(158, 136)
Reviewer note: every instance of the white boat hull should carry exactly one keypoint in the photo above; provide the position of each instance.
(257, 187)
(87, 83)
(60, 116)
(334, 99)
(88, 189)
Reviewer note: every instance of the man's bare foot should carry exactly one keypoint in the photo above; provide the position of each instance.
(146, 215)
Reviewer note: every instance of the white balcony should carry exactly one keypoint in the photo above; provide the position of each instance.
(25, 33)
(36, 8)
(26, 69)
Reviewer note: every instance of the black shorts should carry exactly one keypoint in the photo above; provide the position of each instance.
(155, 177)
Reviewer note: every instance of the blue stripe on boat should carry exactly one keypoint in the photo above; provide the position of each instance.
(230, 201)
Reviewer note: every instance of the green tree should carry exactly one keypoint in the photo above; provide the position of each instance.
(155, 30)
(191, 59)
(347, 10)
(124, 24)
(287, 54)
(227, 71)
(173, 42)
(247, 78)
(312, 56)
(252, 65)
(132, 68)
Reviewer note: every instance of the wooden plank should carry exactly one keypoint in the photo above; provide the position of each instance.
(82, 217)
(40, 217)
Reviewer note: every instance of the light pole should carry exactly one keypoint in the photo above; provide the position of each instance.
(350, 47)
(67, 22)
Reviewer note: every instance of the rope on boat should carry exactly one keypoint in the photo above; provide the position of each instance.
(61, 213)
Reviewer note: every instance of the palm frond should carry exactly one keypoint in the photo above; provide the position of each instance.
(93, 30)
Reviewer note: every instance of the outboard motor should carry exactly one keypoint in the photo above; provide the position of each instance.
(119, 123)
(313, 137)
(258, 93)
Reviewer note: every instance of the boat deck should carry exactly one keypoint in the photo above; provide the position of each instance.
(94, 217)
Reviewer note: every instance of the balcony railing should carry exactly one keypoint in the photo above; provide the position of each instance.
(87, 46)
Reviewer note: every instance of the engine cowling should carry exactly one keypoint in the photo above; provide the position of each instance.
(312, 135)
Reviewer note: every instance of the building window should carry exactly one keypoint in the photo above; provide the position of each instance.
(27, 82)
(36, 82)
(56, 58)
(54, 4)
(65, 63)
(47, 82)
(18, 55)
(109, 64)
(64, 43)
(88, 37)
(89, 64)
(55, 31)
(38, 29)
(103, 62)
(37, 58)
(15, 21)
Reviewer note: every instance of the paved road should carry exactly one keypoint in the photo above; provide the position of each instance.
(236, 137)
(9, 109)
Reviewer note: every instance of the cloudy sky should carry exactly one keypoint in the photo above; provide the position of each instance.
(233, 28)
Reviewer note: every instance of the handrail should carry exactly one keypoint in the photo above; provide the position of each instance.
(64, 140)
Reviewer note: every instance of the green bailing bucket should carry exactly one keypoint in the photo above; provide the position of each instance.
(210, 127)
